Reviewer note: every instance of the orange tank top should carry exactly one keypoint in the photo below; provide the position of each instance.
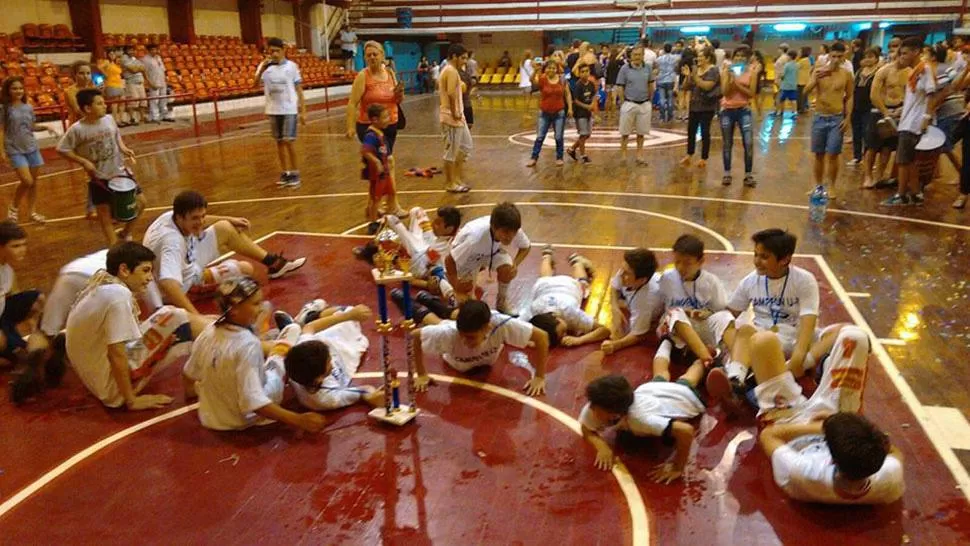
(737, 99)
(377, 92)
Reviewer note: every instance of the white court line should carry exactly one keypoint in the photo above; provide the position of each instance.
(60, 469)
(862, 295)
(640, 523)
(892, 342)
(951, 424)
(720, 238)
(937, 438)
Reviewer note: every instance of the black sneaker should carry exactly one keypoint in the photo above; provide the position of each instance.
(586, 159)
(572, 154)
(418, 311)
(898, 200)
(917, 199)
(282, 319)
(434, 304)
(373, 227)
(366, 252)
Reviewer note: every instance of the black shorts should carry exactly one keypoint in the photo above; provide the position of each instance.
(906, 151)
(390, 135)
(101, 195)
(873, 142)
(348, 54)
(17, 308)
(469, 115)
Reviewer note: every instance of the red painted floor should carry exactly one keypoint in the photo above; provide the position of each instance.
(476, 468)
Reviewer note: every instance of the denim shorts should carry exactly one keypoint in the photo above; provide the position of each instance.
(283, 127)
(826, 135)
(33, 159)
(949, 127)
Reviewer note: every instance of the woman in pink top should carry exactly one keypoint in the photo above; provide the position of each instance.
(739, 83)
(555, 104)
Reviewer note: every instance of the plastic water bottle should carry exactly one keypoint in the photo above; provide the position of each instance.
(818, 204)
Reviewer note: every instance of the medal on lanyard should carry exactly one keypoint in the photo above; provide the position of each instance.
(774, 304)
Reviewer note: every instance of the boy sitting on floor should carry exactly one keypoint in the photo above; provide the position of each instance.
(785, 302)
(427, 242)
(656, 408)
(694, 301)
(237, 387)
(322, 363)
(556, 303)
(635, 300)
(487, 243)
(821, 449)
(187, 239)
(110, 351)
(476, 339)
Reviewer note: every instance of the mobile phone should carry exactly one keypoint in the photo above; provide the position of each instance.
(738, 69)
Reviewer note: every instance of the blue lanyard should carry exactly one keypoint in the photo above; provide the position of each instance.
(775, 310)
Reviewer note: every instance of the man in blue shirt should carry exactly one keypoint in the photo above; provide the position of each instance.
(666, 77)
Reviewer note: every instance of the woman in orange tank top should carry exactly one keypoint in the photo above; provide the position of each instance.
(739, 83)
(376, 84)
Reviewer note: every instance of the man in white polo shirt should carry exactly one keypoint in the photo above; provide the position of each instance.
(284, 104)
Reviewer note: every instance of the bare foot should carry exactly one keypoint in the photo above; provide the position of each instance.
(701, 164)
(686, 161)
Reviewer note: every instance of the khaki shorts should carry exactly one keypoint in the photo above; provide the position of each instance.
(136, 91)
(635, 118)
(457, 139)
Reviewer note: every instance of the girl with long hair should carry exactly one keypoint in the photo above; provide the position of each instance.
(20, 149)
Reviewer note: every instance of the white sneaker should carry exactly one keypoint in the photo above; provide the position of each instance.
(289, 335)
(316, 306)
(852, 162)
(287, 267)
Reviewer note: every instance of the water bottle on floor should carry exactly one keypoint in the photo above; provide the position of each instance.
(818, 204)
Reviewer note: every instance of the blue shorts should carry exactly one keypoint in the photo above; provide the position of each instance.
(283, 127)
(826, 134)
(788, 94)
(33, 159)
(949, 127)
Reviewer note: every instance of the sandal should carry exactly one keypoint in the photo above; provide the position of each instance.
(460, 188)
(961, 202)
(531, 163)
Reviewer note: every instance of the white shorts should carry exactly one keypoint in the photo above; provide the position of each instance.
(60, 301)
(787, 334)
(711, 330)
(147, 355)
(456, 139)
(471, 270)
(136, 91)
(780, 399)
(635, 118)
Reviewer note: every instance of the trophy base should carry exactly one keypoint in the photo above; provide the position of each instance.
(399, 417)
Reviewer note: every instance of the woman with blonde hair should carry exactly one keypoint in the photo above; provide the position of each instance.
(376, 84)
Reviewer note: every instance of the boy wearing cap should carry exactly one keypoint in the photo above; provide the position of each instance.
(228, 370)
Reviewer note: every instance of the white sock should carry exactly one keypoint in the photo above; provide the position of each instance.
(664, 350)
(502, 296)
(736, 370)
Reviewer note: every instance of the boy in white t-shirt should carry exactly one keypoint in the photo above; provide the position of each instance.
(110, 351)
(821, 450)
(95, 143)
(186, 240)
(282, 86)
(72, 278)
(19, 309)
(476, 339)
(658, 408)
(634, 299)
(237, 387)
(322, 363)
(785, 302)
(488, 243)
(555, 305)
(427, 242)
(695, 304)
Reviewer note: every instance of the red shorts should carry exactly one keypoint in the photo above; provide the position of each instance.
(380, 186)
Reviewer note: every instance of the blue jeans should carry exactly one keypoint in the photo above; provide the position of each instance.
(730, 118)
(666, 101)
(558, 120)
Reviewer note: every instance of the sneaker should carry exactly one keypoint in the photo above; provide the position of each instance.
(725, 390)
(586, 159)
(572, 154)
(547, 250)
(726, 180)
(284, 179)
(38, 217)
(373, 228)
(418, 311)
(289, 334)
(576, 258)
(749, 181)
(917, 199)
(292, 181)
(853, 162)
(434, 304)
(282, 319)
(282, 266)
(310, 311)
(12, 214)
(898, 200)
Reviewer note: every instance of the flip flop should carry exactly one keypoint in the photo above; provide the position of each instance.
(460, 188)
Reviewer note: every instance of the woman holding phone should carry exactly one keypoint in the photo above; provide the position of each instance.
(739, 83)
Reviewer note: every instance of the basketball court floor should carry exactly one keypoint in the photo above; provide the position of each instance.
(483, 464)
